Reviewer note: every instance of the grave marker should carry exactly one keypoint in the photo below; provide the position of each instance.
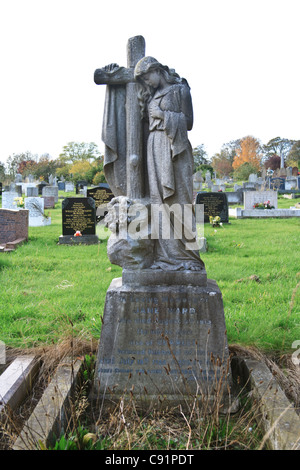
(35, 206)
(101, 194)
(215, 204)
(78, 216)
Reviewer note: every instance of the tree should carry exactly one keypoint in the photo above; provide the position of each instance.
(76, 151)
(200, 157)
(79, 169)
(222, 163)
(278, 146)
(293, 158)
(243, 171)
(273, 162)
(45, 167)
(249, 152)
(15, 160)
(2, 171)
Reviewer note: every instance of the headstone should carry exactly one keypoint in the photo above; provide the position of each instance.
(13, 225)
(32, 191)
(197, 181)
(291, 183)
(9, 200)
(101, 195)
(207, 176)
(163, 335)
(0, 188)
(277, 183)
(61, 185)
(50, 191)
(215, 204)
(252, 178)
(49, 202)
(253, 197)
(69, 187)
(18, 178)
(78, 217)
(35, 206)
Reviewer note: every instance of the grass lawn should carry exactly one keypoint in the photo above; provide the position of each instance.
(49, 291)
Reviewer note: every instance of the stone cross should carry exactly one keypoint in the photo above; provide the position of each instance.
(134, 142)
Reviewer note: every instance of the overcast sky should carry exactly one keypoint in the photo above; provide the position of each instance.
(240, 57)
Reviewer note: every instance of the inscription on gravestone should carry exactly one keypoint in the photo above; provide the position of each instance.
(215, 204)
(79, 215)
(102, 194)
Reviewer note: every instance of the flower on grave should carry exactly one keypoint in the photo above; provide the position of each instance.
(263, 205)
(77, 233)
(19, 202)
(215, 221)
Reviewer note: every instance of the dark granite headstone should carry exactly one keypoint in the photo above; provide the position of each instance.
(78, 215)
(41, 186)
(277, 183)
(215, 204)
(0, 188)
(61, 185)
(101, 194)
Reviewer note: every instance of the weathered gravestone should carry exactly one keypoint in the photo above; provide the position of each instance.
(32, 191)
(9, 200)
(69, 187)
(78, 221)
(101, 194)
(35, 206)
(163, 336)
(51, 191)
(215, 204)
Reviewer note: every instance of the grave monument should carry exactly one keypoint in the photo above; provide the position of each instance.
(78, 221)
(163, 335)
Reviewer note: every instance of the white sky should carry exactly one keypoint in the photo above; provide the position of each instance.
(240, 57)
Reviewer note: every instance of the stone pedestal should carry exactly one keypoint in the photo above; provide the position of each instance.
(163, 344)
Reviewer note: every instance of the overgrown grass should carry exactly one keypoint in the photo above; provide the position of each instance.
(49, 290)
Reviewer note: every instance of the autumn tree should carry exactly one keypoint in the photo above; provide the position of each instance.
(222, 163)
(249, 151)
(16, 159)
(273, 162)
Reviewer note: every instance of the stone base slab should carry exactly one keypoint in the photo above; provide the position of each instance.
(83, 240)
(163, 345)
(239, 213)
